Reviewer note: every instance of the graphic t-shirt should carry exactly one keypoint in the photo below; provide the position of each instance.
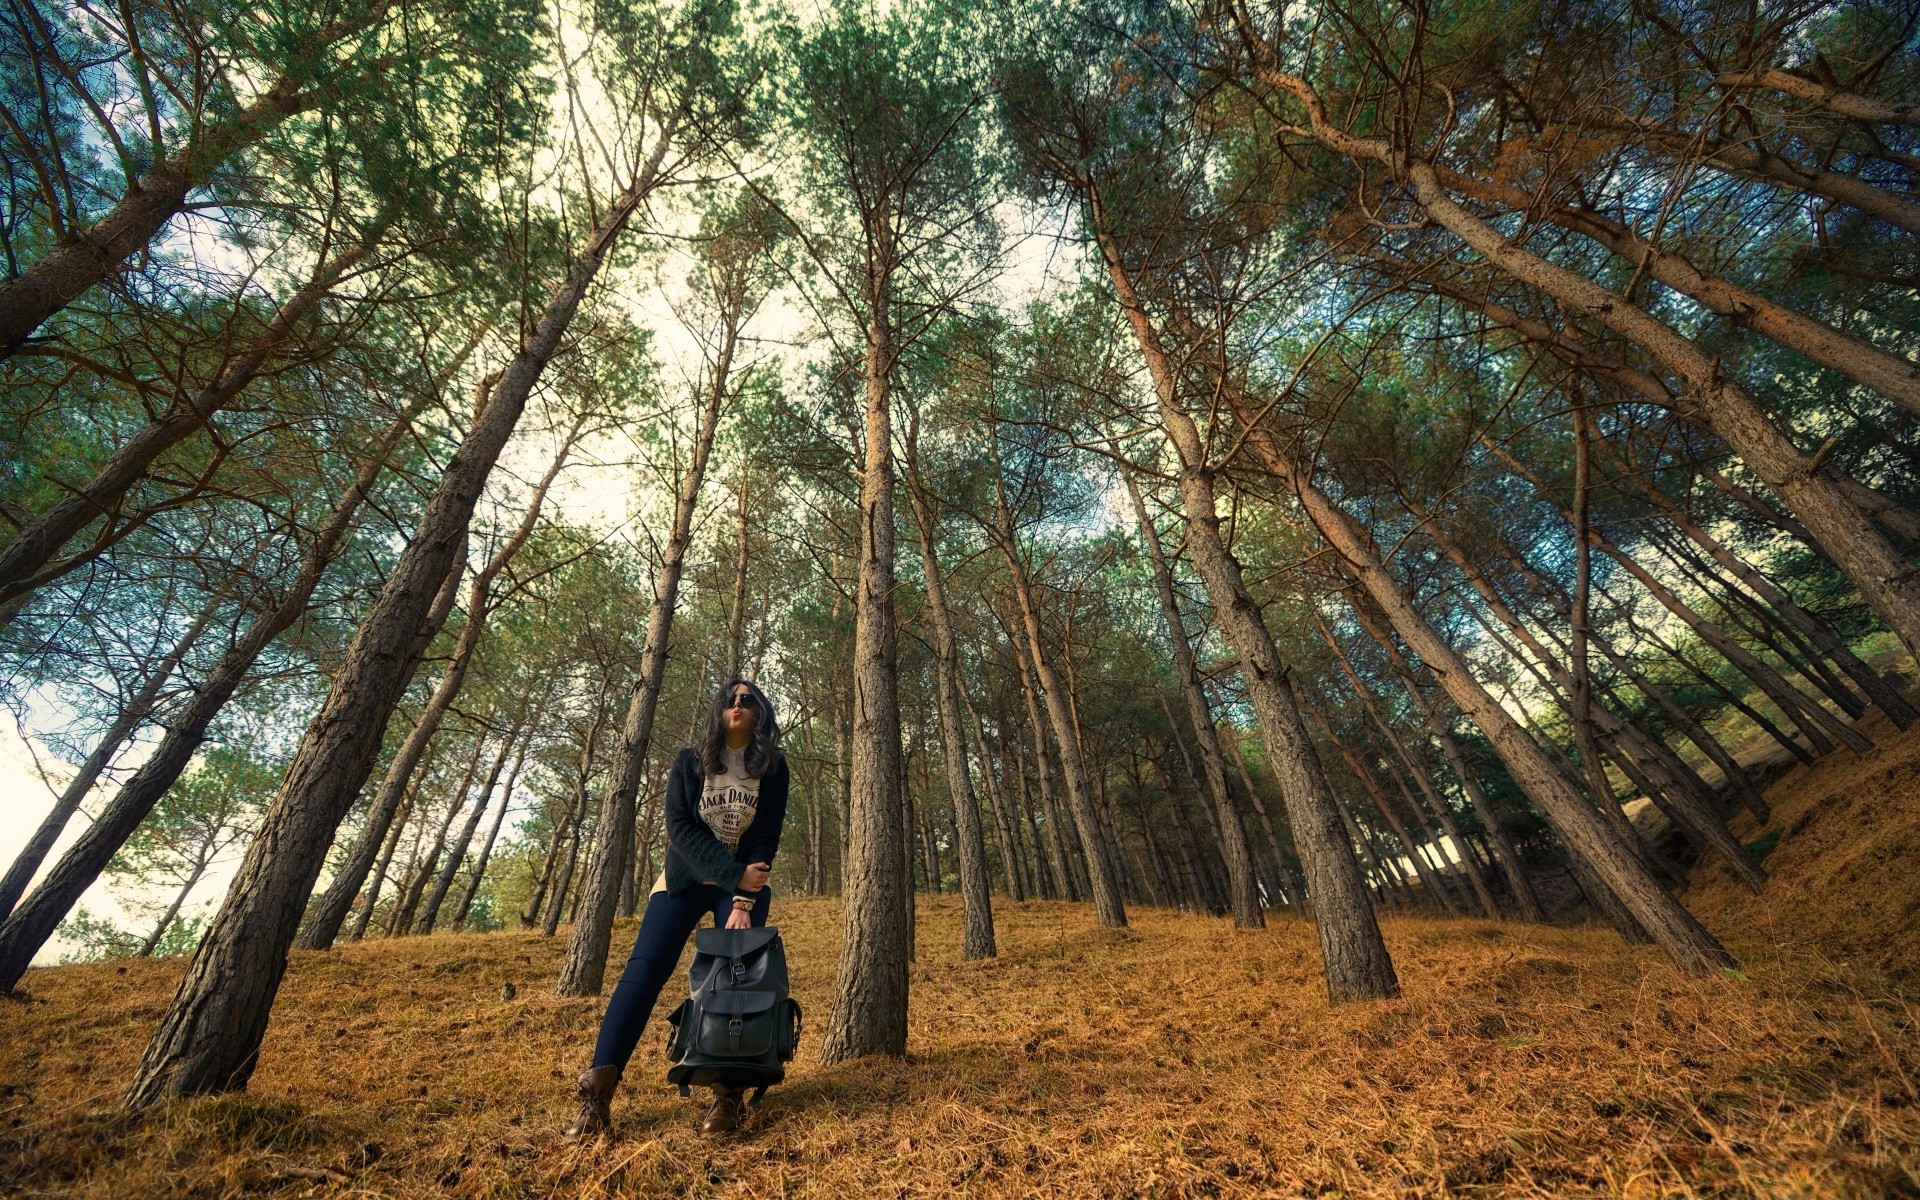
(728, 803)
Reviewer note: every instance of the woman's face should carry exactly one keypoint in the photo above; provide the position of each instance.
(743, 709)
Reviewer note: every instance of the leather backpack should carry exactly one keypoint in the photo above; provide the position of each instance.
(738, 1028)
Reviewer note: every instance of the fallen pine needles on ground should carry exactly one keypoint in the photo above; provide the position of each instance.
(1177, 1058)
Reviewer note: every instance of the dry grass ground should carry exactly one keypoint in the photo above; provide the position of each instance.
(1177, 1058)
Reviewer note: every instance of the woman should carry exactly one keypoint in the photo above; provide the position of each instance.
(726, 802)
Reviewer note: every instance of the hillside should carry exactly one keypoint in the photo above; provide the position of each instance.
(1177, 1058)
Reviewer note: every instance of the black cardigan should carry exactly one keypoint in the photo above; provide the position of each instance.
(694, 855)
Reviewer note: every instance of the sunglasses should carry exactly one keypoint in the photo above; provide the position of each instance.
(744, 700)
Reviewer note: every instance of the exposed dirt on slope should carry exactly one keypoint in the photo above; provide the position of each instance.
(1177, 1058)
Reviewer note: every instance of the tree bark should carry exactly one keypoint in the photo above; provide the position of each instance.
(976, 899)
(209, 1038)
(1108, 908)
(869, 1014)
(583, 970)
(1848, 104)
(1353, 956)
(1243, 891)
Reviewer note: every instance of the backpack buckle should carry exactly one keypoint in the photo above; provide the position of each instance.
(734, 1026)
(739, 971)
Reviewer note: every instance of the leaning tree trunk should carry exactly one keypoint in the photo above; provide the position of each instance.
(869, 1014)
(322, 926)
(975, 897)
(584, 969)
(1353, 956)
(37, 917)
(138, 706)
(1503, 849)
(1820, 727)
(209, 1038)
(23, 563)
(1690, 811)
(1584, 830)
(1107, 906)
(1243, 890)
(479, 873)
(1898, 709)
(92, 255)
(457, 852)
(423, 867)
(1422, 778)
(1060, 858)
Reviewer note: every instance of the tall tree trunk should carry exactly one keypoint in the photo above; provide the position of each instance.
(426, 867)
(1104, 887)
(209, 1038)
(479, 874)
(1242, 888)
(368, 902)
(1294, 885)
(24, 561)
(1509, 859)
(1820, 727)
(1483, 896)
(869, 1014)
(1012, 860)
(1690, 811)
(457, 852)
(323, 924)
(583, 970)
(1877, 689)
(28, 928)
(1889, 374)
(1048, 883)
(136, 710)
(976, 899)
(1068, 884)
(1353, 956)
(737, 618)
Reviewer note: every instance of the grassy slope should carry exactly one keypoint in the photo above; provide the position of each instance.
(1177, 1058)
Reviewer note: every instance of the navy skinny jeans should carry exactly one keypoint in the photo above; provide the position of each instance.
(664, 929)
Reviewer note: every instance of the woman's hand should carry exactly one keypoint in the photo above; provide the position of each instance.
(740, 918)
(755, 876)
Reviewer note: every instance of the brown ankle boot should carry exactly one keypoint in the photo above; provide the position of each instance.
(596, 1101)
(726, 1114)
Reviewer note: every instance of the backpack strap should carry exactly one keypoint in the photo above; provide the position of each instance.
(685, 1091)
(754, 1101)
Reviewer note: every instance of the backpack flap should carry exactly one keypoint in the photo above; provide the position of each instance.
(737, 1024)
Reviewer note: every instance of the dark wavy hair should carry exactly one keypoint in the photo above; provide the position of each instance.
(763, 751)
